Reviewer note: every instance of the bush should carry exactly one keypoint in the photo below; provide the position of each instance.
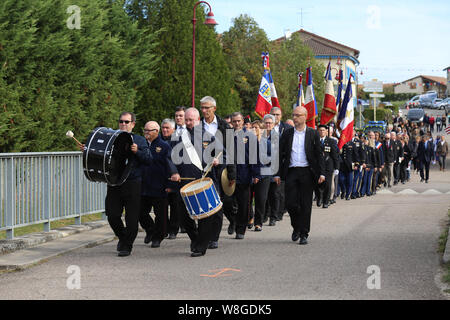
(382, 114)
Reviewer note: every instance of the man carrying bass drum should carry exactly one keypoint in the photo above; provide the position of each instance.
(128, 194)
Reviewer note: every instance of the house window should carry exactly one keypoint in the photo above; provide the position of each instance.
(413, 85)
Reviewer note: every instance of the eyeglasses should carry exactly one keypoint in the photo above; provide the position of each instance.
(125, 121)
(203, 107)
(146, 130)
(276, 114)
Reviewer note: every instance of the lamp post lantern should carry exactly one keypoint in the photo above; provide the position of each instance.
(209, 21)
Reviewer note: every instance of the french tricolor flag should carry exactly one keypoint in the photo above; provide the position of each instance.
(310, 100)
(267, 95)
(264, 101)
(346, 116)
(329, 102)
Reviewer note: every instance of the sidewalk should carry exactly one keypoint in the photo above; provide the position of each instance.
(23, 252)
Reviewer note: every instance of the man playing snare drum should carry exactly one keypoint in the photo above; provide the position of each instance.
(190, 164)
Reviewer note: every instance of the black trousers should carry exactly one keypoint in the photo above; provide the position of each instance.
(128, 197)
(242, 196)
(230, 207)
(323, 190)
(175, 203)
(299, 189)
(261, 191)
(157, 228)
(200, 236)
(274, 201)
(425, 164)
(397, 171)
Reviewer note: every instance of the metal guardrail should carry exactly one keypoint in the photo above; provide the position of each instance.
(43, 187)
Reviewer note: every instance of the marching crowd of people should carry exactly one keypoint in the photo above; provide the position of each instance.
(308, 162)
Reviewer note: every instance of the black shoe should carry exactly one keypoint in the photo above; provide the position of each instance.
(182, 230)
(272, 223)
(342, 196)
(258, 228)
(347, 198)
(156, 244)
(148, 238)
(119, 244)
(239, 236)
(319, 202)
(213, 245)
(303, 241)
(295, 236)
(352, 196)
(325, 206)
(172, 236)
(231, 228)
(124, 253)
(197, 254)
(426, 181)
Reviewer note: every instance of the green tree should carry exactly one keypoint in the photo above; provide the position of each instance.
(288, 58)
(243, 44)
(54, 78)
(172, 84)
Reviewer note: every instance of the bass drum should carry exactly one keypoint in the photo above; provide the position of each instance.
(107, 156)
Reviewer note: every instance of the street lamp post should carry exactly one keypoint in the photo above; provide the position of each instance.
(209, 21)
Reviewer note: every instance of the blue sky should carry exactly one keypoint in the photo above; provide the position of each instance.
(397, 40)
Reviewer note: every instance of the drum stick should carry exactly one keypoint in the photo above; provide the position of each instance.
(69, 134)
(211, 165)
(186, 178)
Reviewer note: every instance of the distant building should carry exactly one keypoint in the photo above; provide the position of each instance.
(422, 84)
(326, 49)
(447, 93)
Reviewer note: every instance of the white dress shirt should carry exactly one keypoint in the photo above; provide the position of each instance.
(211, 127)
(180, 130)
(298, 154)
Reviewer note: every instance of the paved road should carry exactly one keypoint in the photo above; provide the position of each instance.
(395, 232)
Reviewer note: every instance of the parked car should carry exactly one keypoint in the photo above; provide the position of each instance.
(436, 102)
(413, 102)
(415, 115)
(426, 99)
(441, 105)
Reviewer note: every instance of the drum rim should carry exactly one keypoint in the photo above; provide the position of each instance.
(207, 214)
(86, 170)
(114, 136)
(192, 193)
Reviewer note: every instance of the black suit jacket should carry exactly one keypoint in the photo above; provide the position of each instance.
(313, 150)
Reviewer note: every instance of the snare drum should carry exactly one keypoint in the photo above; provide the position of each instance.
(201, 198)
(107, 157)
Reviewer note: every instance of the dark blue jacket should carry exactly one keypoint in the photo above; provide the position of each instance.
(156, 176)
(141, 158)
(246, 171)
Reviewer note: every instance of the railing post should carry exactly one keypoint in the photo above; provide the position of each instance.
(78, 189)
(47, 193)
(11, 198)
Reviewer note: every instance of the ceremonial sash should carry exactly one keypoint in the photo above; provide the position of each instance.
(190, 149)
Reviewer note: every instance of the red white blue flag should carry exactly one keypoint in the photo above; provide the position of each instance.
(310, 100)
(329, 101)
(346, 116)
(267, 95)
